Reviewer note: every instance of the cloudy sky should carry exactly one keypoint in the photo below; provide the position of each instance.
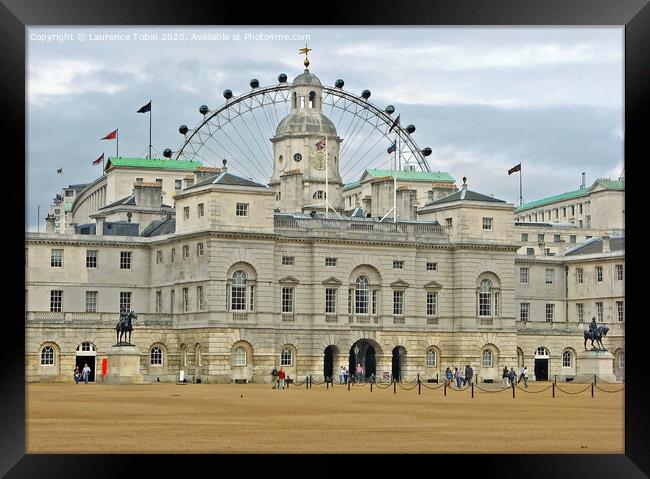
(484, 99)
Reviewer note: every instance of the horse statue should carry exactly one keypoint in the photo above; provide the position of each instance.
(125, 325)
(596, 336)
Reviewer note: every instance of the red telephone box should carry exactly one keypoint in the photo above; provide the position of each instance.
(104, 368)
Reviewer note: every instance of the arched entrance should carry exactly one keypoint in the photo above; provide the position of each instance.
(399, 353)
(328, 362)
(541, 364)
(362, 352)
(86, 354)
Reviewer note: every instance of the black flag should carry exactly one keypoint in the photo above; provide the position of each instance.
(145, 108)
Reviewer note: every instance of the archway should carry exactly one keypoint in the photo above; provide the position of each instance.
(328, 361)
(362, 352)
(399, 352)
(86, 354)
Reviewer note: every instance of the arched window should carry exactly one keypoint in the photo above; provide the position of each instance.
(567, 359)
(542, 351)
(239, 357)
(312, 99)
(431, 358)
(320, 195)
(361, 295)
(621, 360)
(86, 347)
(286, 357)
(487, 358)
(485, 298)
(199, 355)
(238, 291)
(156, 356)
(183, 355)
(47, 356)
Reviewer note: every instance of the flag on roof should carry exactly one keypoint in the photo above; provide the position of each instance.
(111, 136)
(392, 147)
(514, 169)
(99, 160)
(395, 123)
(60, 171)
(145, 108)
(320, 145)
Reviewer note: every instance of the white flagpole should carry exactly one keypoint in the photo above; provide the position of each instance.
(327, 200)
(395, 184)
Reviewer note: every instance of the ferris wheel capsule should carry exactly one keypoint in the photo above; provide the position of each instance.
(183, 129)
(227, 94)
(203, 109)
(410, 129)
(254, 83)
(390, 109)
(167, 153)
(365, 94)
(282, 77)
(339, 83)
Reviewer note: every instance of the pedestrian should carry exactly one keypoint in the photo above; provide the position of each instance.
(512, 375)
(469, 374)
(85, 373)
(459, 378)
(345, 375)
(274, 377)
(342, 375)
(281, 376)
(525, 376)
(359, 373)
(448, 376)
(504, 377)
(77, 375)
(521, 374)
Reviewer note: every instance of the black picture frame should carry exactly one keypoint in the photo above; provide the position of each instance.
(15, 15)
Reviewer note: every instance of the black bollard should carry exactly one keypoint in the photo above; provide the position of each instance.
(445, 388)
(555, 380)
(306, 382)
(394, 387)
(327, 385)
(592, 389)
(348, 384)
(513, 390)
(595, 379)
(371, 386)
(418, 384)
(553, 389)
(472, 390)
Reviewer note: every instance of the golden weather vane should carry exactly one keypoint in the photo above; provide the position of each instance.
(305, 51)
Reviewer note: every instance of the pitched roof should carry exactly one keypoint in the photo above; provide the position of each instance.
(128, 200)
(152, 163)
(465, 195)
(611, 184)
(595, 245)
(412, 175)
(160, 227)
(226, 179)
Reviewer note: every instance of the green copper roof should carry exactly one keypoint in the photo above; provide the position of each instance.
(153, 163)
(605, 183)
(414, 175)
(612, 184)
(352, 184)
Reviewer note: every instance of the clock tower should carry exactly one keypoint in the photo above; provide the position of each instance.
(304, 141)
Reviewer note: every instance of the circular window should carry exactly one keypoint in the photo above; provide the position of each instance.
(297, 157)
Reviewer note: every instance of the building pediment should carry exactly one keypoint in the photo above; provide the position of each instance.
(289, 280)
(400, 283)
(332, 281)
(432, 285)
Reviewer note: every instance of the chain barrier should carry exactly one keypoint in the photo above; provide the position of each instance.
(489, 391)
(378, 385)
(359, 384)
(600, 380)
(442, 385)
(607, 391)
(407, 381)
(407, 389)
(569, 392)
(533, 392)
(459, 390)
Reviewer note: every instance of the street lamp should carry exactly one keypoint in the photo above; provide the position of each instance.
(356, 362)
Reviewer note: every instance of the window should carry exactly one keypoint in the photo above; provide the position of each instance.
(572, 239)
(619, 311)
(125, 260)
(330, 261)
(485, 298)
(287, 300)
(172, 300)
(523, 275)
(619, 272)
(238, 291)
(540, 238)
(599, 311)
(286, 357)
(374, 301)
(56, 258)
(580, 312)
(241, 209)
(156, 356)
(599, 274)
(201, 208)
(361, 294)
(186, 251)
(550, 275)
(580, 224)
(524, 237)
(557, 214)
(487, 358)
(199, 249)
(56, 300)
(47, 356)
(487, 223)
(621, 360)
(177, 184)
(579, 208)
(550, 312)
(398, 303)
(239, 356)
(398, 264)
(431, 266)
(557, 238)
(140, 180)
(91, 258)
(330, 300)
(564, 212)
(580, 275)
(158, 301)
(186, 213)
(288, 260)
(173, 254)
(159, 256)
(350, 293)
(432, 303)
(448, 221)
(530, 251)
(186, 299)
(159, 181)
(91, 301)
(125, 301)
(566, 359)
(319, 195)
(199, 298)
(524, 311)
(431, 358)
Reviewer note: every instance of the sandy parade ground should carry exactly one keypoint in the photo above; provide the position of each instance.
(253, 418)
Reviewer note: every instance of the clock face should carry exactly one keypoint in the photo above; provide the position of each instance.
(297, 157)
(318, 160)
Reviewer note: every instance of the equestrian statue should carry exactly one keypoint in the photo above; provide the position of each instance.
(595, 333)
(125, 325)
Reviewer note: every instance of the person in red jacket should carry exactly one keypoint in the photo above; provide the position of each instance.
(281, 376)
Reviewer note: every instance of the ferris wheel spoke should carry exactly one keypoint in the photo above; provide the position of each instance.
(248, 146)
(354, 133)
(237, 146)
(367, 151)
(232, 158)
(266, 153)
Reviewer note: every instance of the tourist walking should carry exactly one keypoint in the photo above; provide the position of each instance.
(281, 376)
(342, 375)
(469, 374)
(448, 376)
(521, 374)
(525, 376)
(77, 375)
(459, 378)
(504, 377)
(512, 376)
(359, 373)
(274, 377)
(85, 373)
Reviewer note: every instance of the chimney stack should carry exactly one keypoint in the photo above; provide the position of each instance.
(582, 186)
(606, 248)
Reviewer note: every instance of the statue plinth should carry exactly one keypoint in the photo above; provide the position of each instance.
(124, 365)
(596, 361)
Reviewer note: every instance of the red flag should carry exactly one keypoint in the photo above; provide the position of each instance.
(99, 160)
(514, 169)
(320, 145)
(111, 136)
